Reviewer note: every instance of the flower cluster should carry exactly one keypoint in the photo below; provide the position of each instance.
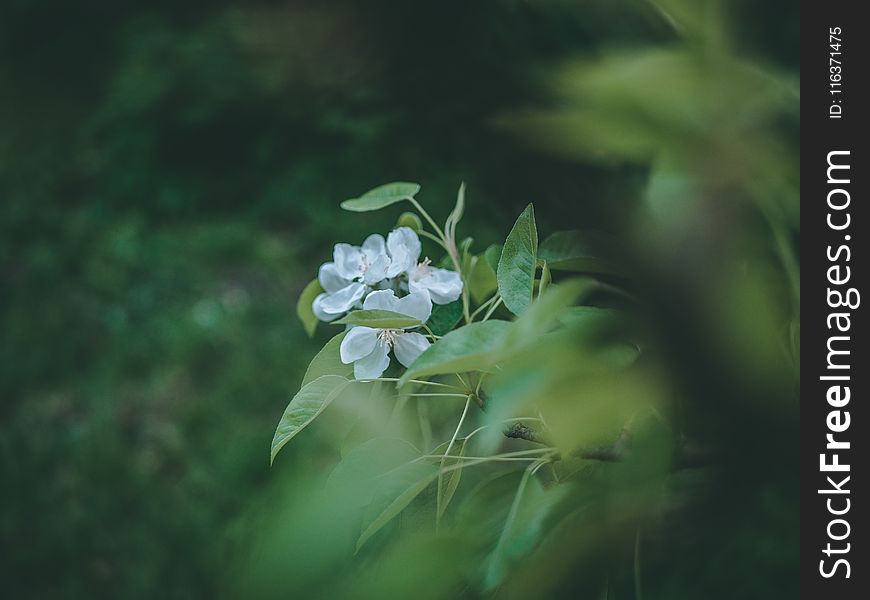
(383, 275)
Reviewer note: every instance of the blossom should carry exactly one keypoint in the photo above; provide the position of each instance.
(348, 277)
(442, 285)
(368, 348)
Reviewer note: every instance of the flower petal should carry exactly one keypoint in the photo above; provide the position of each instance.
(317, 309)
(416, 304)
(329, 278)
(404, 248)
(444, 286)
(348, 260)
(408, 346)
(374, 364)
(377, 270)
(382, 300)
(344, 299)
(358, 343)
(374, 246)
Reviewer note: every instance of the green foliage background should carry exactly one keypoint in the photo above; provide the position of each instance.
(170, 176)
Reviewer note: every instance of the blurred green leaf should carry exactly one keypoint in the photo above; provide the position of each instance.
(516, 267)
(394, 491)
(305, 406)
(445, 317)
(465, 349)
(303, 306)
(382, 196)
(379, 319)
(356, 476)
(328, 362)
(579, 251)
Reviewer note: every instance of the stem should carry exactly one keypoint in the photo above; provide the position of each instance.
(492, 309)
(435, 395)
(480, 308)
(418, 381)
(431, 222)
(637, 587)
(438, 500)
(434, 238)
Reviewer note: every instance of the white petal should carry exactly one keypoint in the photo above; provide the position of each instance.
(404, 248)
(415, 304)
(444, 286)
(357, 343)
(382, 300)
(374, 246)
(344, 299)
(318, 311)
(377, 270)
(408, 346)
(374, 364)
(329, 278)
(348, 260)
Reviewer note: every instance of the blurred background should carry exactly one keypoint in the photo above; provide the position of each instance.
(170, 176)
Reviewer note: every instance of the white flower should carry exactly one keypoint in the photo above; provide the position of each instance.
(345, 280)
(404, 247)
(442, 285)
(368, 348)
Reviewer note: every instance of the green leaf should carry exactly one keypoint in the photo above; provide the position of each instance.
(465, 349)
(522, 528)
(379, 319)
(303, 306)
(456, 214)
(394, 492)
(546, 278)
(581, 252)
(450, 480)
(382, 196)
(492, 256)
(541, 316)
(445, 317)
(356, 476)
(481, 279)
(411, 220)
(305, 406)
(516, 267)
(328, 362)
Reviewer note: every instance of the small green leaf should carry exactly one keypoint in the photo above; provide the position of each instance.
(379, 319)
(492, 256)
(303, 306)
(450, 480)
(411, 220)
(382, 196)
(546, 278)
(481, 279)
(465, 349)
(456, 214)
(445, 317)
(394, 492)
(581, 252)
(305, 406)
(516, 267)
(328, 362)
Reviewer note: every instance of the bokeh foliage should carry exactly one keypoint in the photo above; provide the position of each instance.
(170, 176)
